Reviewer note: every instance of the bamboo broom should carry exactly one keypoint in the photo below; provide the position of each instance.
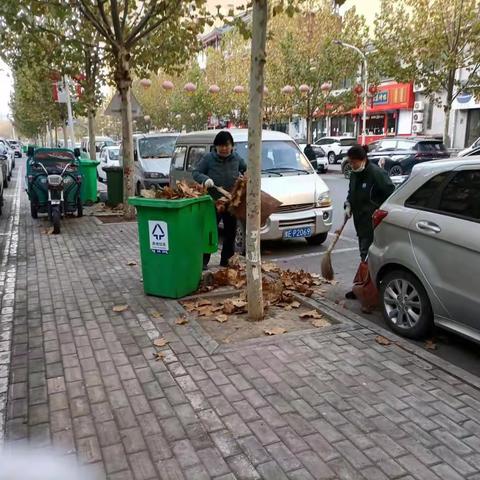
(327, 269)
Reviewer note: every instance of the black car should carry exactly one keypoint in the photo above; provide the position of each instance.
(399, 155)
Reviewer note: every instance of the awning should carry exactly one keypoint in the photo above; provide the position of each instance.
(395, 96)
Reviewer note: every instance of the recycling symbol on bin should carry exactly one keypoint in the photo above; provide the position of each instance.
(158, 232)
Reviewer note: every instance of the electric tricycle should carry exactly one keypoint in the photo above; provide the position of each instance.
(53, 183)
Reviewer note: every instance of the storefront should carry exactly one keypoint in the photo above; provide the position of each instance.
(389, 112)
(466, 128)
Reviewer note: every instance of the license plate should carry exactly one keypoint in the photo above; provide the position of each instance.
(298, 232)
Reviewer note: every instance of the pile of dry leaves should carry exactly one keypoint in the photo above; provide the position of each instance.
(181, 190)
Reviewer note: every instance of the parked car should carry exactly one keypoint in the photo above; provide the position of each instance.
(100, 142)
(306, 210)
(152, 155)
(425, 257)
(17, 147)
(473, 152)
(474, 146)
(399, 155)
(336, 147)
(10, 157)
(320, 163)
(109, 157)
(4, 165)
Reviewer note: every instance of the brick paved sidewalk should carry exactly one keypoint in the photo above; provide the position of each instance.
(307, 406)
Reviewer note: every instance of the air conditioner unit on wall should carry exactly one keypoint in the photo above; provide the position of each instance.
(417, 128)
(418, 117)
(419, 106)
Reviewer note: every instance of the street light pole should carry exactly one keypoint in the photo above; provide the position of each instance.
(365, 85)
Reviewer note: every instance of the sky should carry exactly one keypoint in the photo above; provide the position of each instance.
(368, 8)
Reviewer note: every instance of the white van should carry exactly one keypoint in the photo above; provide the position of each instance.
(306, 210)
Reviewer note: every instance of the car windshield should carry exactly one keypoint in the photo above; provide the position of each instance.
(114, 153)
(278, 156)
(103, 143)
(156, 147)
(348, 142)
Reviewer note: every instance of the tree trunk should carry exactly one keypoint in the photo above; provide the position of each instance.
(447, 108)
(56, 136)
(309, 122)
(65, 135)
(50, 133)
(254, 261)
(124, 83)
(91, 134)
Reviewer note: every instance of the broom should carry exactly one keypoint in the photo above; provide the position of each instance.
(327, 269)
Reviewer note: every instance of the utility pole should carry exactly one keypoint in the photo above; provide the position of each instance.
(69, 112)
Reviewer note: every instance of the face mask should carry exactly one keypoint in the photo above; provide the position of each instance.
(359, 169)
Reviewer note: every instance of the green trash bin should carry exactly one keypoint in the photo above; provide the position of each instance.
(114, 185)
(88, 169)
(173, 236)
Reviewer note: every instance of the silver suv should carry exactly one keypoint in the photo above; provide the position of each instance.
(425, 257)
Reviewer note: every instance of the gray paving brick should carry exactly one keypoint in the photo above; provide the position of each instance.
(142, 466)
(197, 472)
(185, 453)
(242, 468)
(292, 440)
(317, 468)
(284, 457)
(213, 462)
(416, 468)
(271, 471)
(254, 450)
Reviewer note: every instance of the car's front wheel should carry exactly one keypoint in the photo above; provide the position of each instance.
(347, 170)
(395, 171)
(332, 158)
(405, 304)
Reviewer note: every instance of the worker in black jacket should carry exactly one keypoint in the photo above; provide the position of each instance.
(369, 187)
(221, 168)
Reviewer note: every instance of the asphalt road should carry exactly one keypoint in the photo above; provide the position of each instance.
(296, 255)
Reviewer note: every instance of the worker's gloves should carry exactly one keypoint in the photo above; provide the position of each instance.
(347, 209)
(209, 183)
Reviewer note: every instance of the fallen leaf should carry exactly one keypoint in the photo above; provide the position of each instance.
(159, 355)
(205, 311)
(181, 320)
(430, 344)
(270, 267)
(228, 307)
(295, 304)
(131, 263)
(275, 331)
(156, 315)
(382, 340)
(221, 318)
(203, 301)
(160, 342)
(189, 306)
(320, 322)
(239, 303)
(120, 308)
(311, 314)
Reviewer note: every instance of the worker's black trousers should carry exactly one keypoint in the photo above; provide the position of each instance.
(364, 243)
(229, 231)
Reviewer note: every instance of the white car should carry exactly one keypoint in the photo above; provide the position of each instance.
(473, 146)
(108, 157)
(10, 156)
(336, 147)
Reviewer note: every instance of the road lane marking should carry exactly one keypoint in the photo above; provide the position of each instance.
(311, 254)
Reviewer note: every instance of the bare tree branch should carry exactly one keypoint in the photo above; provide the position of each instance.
(104, 17)
(116, 20)
(125, 14)
(151, 13)
(90, 16)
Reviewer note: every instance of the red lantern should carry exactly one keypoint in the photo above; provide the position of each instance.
(190, 87)
(358, 89)
(238, 89)
(372, 90)
(288, 89)
(304, 88)
(214, 88)
(145, 83)
(326, 87)
(167, 85)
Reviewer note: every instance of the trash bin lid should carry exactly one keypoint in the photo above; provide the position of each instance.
(164, 203)
(112, 168)
(86, 162)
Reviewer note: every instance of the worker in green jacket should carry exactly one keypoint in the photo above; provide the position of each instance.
(369, 187)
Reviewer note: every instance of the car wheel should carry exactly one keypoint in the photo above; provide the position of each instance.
(240, 238)
(405, 304)
(347, 170)
(395, 171)
(332, 158)
(317, 239)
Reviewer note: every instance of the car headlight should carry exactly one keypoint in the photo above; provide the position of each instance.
(324, 200)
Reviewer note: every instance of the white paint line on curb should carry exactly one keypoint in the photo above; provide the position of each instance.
(8, 277)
